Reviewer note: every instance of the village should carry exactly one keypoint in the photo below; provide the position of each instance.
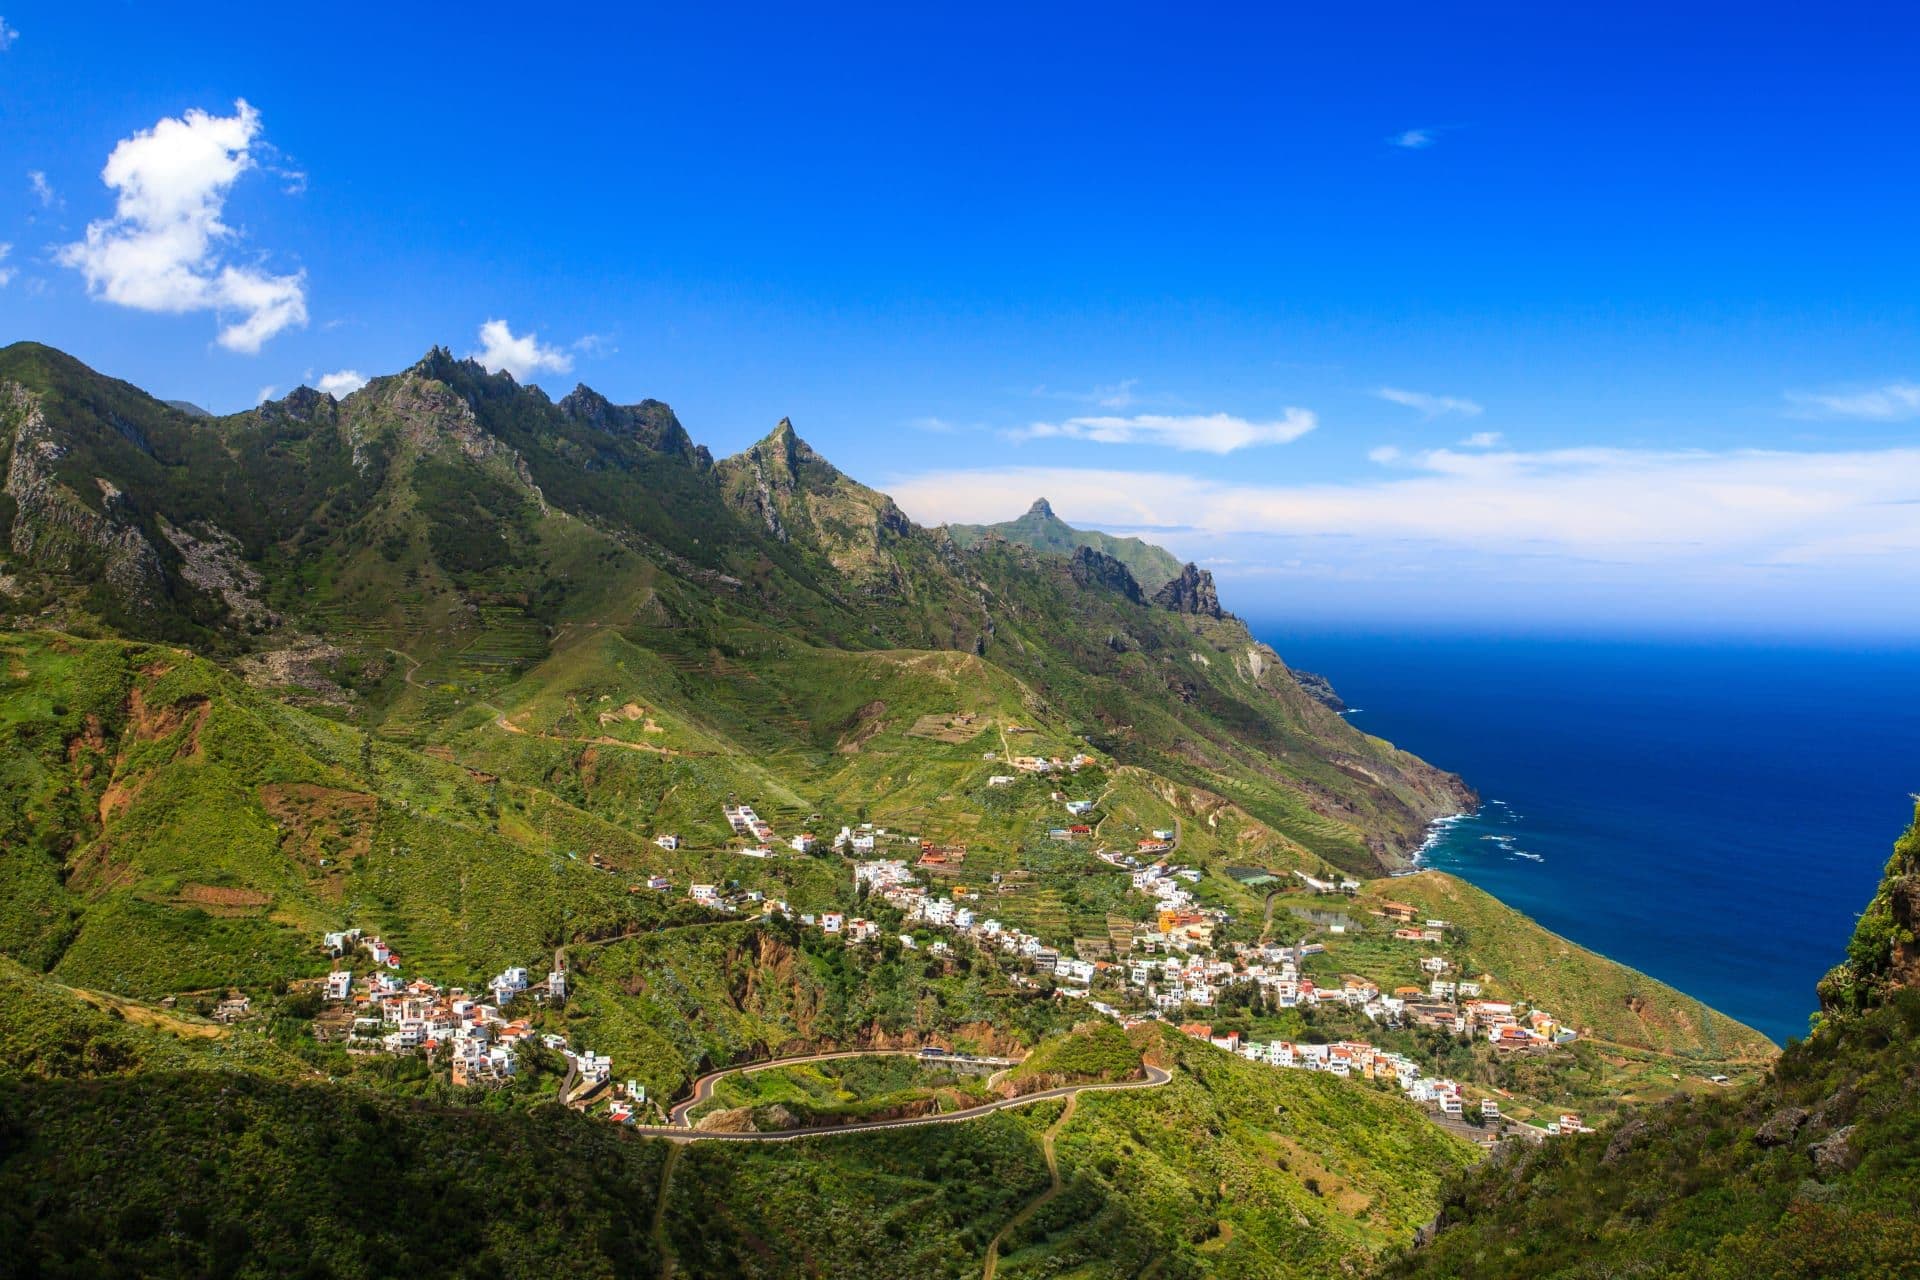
(1173, 966)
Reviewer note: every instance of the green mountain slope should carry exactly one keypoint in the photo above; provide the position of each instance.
(416, 548)
(1815, 1171)
(1152, 567)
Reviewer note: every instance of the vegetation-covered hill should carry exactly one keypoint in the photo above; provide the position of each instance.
(1815, 1171)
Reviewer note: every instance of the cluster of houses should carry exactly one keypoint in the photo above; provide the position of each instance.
(1358, 1058)
(473, 1033)
(1042, 764)
(892, 881)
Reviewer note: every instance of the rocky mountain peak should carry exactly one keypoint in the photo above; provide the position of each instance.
(1191, 591)
(1041, 510)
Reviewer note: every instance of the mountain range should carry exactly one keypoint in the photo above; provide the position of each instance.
(489, 674)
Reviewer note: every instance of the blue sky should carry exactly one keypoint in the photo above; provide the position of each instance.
(1595, 321)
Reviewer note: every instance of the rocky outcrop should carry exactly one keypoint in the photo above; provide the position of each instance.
(1191, 591)
(1835, 1153)
(1320, 689)
(1092, 568)
(1779, 1128)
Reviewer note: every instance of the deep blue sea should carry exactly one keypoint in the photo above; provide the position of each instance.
(1714, 814)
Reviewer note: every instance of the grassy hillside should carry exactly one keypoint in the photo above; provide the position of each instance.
(1812, 1172)
(1234, 1169)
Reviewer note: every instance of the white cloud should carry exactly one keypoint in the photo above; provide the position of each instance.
(1662, 511)
(1430, 406)
(7, 36)
(42, 189)
(1194, 433)
(342, 384)
(164, 248)
(1384, 454)
(6, 273)
(1890, 403)
(1413, 139)
(267, 393)
(1483, 440)
(595, 345)
(519, 356)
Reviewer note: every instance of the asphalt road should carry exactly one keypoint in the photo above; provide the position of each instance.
(681, 1130)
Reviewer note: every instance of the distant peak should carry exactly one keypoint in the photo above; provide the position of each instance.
(1042, 509)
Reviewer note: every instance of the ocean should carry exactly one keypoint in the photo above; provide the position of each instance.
(1713, 814)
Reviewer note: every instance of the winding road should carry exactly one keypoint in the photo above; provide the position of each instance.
(680, 1127)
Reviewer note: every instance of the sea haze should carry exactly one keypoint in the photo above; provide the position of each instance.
(1713, 814)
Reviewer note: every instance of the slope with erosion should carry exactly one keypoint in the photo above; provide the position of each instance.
(1814, 1171)
(167, 829)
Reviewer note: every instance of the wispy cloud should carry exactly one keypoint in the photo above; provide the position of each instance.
(42, 189)
(1483, 440)
(595, 345)
(342, 383)
(1890, 403)
(164, 248)
(522, 356)
(1115, 395)
(7, 36)
(1413, 139)
(1193, 433)
(267, 393)
(1428, 405)
(6, 273)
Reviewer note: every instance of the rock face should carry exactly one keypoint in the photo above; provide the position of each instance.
(1092, 568)
(54, 528)
(1191, 592)
(1780, 1127)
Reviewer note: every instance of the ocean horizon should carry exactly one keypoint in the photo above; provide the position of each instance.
(1714, 814)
